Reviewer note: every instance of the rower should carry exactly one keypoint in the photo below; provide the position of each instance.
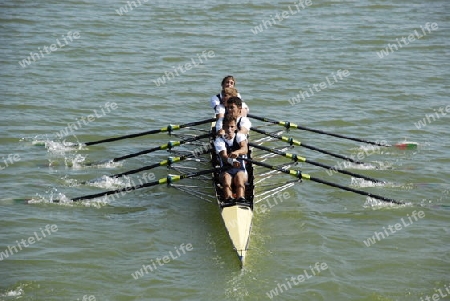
(232, 148)
(227, 93)
(234, 108)
(227, 82)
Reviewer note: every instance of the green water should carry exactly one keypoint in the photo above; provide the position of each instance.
(101, 76)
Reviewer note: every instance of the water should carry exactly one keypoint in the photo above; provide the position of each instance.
(110, 72)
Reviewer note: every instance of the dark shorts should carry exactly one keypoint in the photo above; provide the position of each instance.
(233, 171)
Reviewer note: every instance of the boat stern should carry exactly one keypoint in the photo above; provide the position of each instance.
(238, 222)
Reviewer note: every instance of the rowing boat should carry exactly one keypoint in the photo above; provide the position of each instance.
(236, 217)
(262, 166)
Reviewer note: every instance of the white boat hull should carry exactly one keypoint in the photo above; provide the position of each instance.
(238, 222)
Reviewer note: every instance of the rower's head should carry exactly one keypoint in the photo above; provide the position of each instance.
(229, 125)
(227, 93)
(228, 82)
(234, 106)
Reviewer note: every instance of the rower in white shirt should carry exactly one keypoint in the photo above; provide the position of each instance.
(226, 94)
(234, 108)
(232, 148)
(227, 82)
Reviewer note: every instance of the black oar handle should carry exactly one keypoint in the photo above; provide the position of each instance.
(287, 125)
(166, 129)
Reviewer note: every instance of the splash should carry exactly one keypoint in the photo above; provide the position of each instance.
(59, 198)
(18, 292)
(378, 204)
(236, 288)
(384, 165)
(373, 149)
(365, 166)
(61, 147)
(109, 164)
(358, 182)
(70, 182)
(111, 182)
(76, 162)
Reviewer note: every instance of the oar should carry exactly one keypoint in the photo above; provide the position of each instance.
(288, 125)
(169, 161)
(169, 179)
(295, 157)
(165, 129)
(300, 175)
(168, 145)
(292, 141)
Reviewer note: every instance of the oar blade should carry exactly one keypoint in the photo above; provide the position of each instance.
(406, 145)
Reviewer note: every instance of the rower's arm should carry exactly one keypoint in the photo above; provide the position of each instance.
(219, 122)
(223, 155)
(241, 151)
(220, 148)
(244, 148)
(245, 125)
(244, 130)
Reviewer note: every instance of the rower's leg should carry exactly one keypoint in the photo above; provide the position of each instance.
(239, 182)
(226, 180)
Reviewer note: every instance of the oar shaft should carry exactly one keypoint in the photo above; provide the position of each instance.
(169, 161)
(161, 147)
(299, 174)
(361, 192)
(168, 180)
(147, 151)
(289, 125)
(292, 141)
(165, 129)
(296, 157)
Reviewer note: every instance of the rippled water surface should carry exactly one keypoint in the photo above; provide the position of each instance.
(376, 70)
